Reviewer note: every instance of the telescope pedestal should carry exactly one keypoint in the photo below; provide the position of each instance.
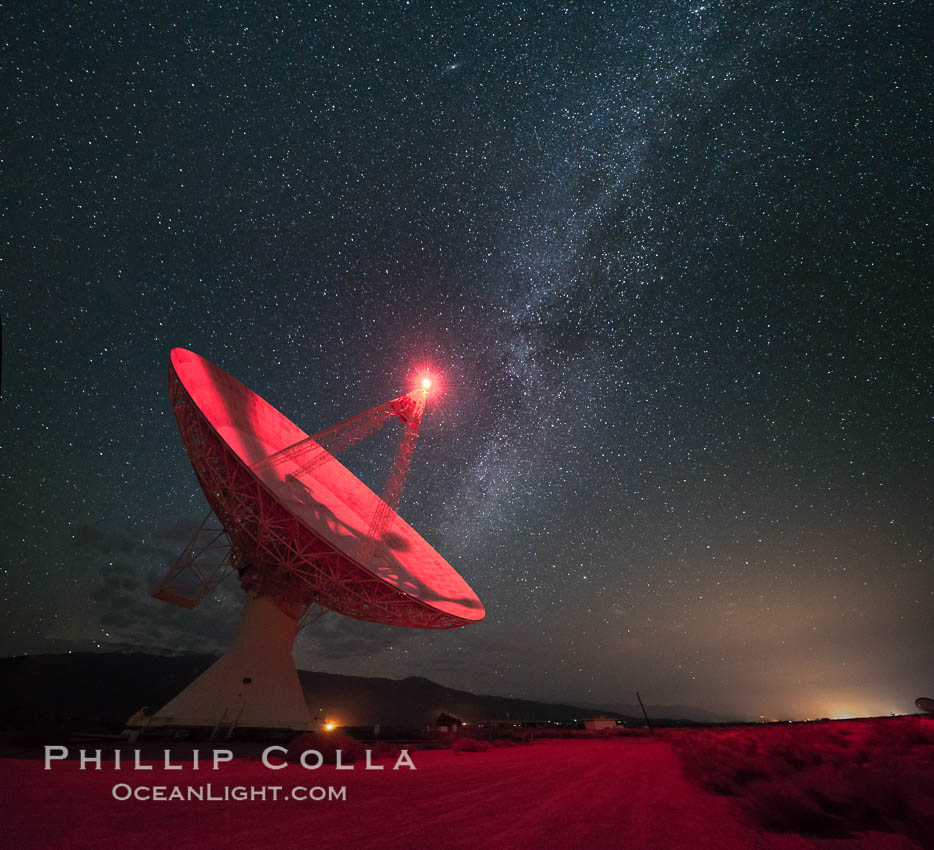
(253, 685)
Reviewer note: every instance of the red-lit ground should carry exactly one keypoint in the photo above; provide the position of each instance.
(620, 792)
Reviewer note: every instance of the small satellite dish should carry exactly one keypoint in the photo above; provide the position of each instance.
(925, 704)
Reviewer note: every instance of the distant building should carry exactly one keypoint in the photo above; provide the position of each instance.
(447, 723)
(596, 723)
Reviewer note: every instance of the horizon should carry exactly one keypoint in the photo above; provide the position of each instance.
(619, 706)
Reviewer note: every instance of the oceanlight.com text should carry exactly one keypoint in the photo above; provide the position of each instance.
(210, 792)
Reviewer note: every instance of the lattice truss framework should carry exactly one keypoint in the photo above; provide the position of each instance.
(274, 553)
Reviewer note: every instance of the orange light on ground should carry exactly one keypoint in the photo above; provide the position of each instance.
(330, 726)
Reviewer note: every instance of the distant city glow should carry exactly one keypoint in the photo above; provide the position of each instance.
(851, 703)
(330, 726)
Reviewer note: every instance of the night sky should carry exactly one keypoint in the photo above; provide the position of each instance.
(671, 261)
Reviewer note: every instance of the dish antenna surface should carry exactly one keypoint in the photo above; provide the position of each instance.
(303, 534)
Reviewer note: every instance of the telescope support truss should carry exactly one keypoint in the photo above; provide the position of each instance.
(274, 553)
(312, 451)
(381, 522)
(204, 563)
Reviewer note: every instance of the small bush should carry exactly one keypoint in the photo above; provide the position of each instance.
(470, 745)
(385, 749)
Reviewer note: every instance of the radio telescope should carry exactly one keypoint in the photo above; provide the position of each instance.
(303, 535)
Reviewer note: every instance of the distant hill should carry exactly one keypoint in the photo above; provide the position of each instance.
(90, 687)
(106, 688)
(665, 712)
(416, 701)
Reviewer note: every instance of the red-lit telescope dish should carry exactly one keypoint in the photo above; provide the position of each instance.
(297, 539)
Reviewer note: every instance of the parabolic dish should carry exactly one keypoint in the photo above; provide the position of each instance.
(304, 533)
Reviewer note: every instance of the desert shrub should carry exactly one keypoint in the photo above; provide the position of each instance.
(901, 732)
(724, 763)
(513, 736)
(470, 745)
(787, 805)
(821, 779)
(385, 749)
(326, 743)
(823, 802)
(632, 733)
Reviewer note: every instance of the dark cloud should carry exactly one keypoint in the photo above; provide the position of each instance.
(333, 637)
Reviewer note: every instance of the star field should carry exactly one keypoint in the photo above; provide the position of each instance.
(671, 261)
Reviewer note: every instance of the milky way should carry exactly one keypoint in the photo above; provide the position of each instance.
(670, 260)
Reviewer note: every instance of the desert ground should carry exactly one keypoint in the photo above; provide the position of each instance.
(603, 793)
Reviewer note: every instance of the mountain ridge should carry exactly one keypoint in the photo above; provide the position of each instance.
(106, 688)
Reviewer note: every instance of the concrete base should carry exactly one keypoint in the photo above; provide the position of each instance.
(253, 685)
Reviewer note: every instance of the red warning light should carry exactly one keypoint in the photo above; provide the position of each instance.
(424, 380)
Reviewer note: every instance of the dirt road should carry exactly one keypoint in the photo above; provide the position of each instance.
(615, 793)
